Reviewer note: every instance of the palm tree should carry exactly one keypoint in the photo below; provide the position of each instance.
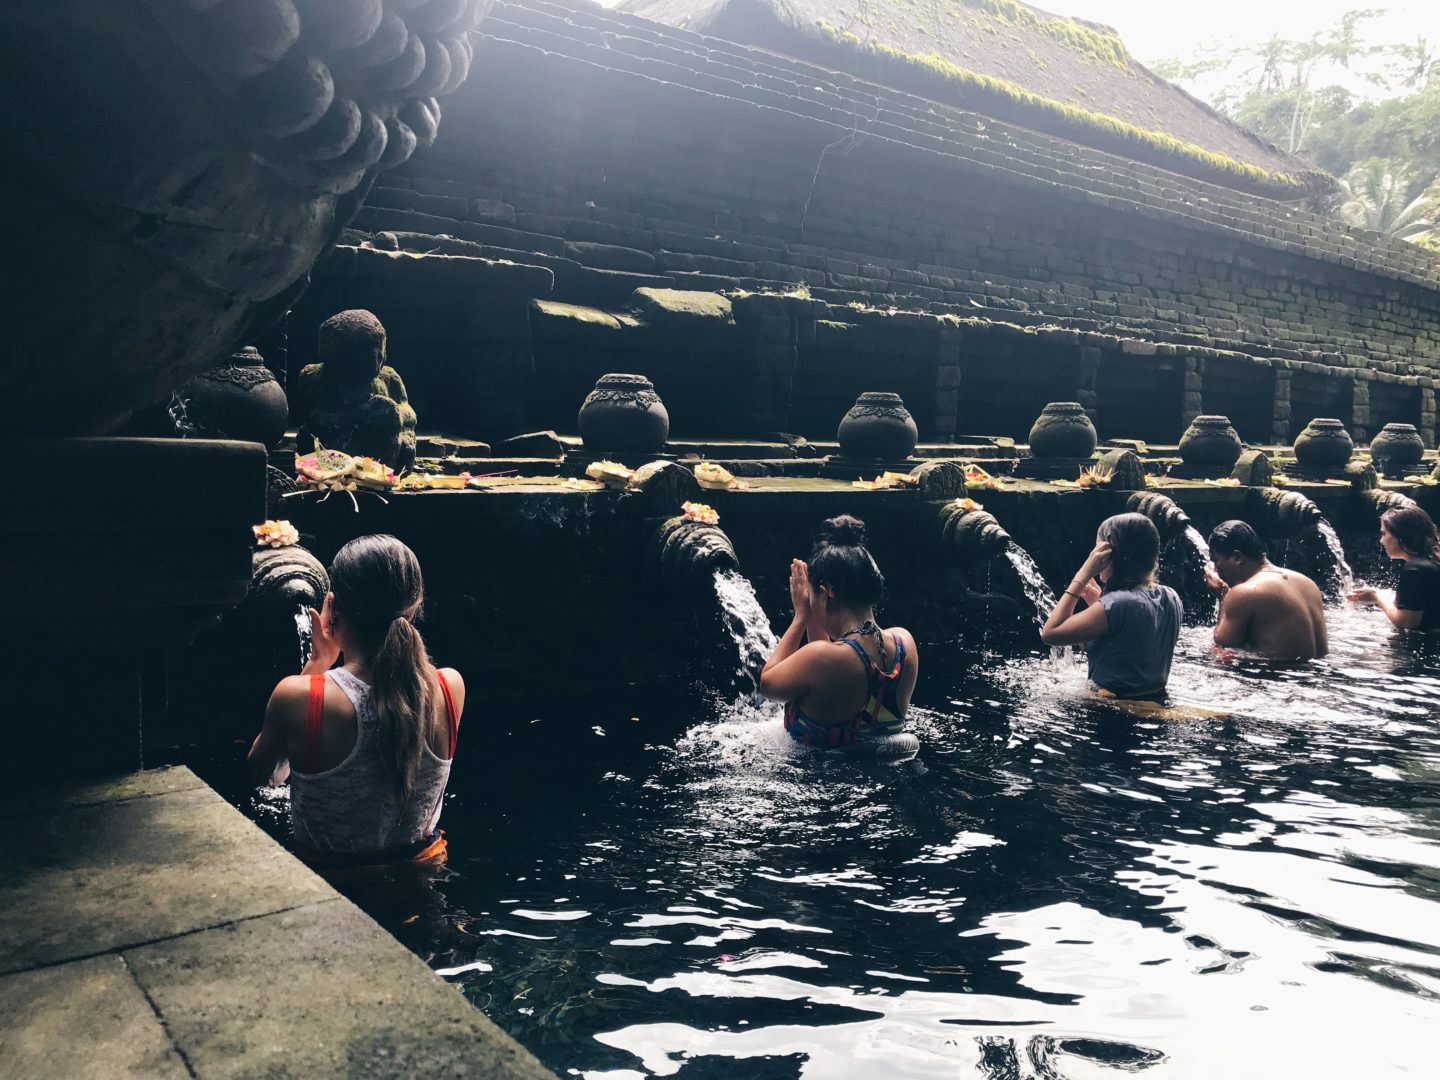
(1377, 197)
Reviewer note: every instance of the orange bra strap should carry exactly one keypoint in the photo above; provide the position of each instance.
(314, 716)
(450, 709)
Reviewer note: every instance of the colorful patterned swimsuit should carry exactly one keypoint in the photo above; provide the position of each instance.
(881, 717)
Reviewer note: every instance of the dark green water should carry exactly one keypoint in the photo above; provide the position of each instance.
(1051, 889)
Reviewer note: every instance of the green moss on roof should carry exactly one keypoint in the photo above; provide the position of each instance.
(1083, 119)
(1093, 44)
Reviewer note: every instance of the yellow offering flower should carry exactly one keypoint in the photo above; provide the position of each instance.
(700, 512)
(968, 504)
(276, 534)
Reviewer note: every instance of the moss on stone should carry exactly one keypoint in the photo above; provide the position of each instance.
(681, 303)
(1082, 121)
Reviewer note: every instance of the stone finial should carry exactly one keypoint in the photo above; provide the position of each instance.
(1121, 470)
(1362, 476)
(939, 480)
(1253, 468)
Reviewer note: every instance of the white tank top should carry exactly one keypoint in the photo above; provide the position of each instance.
(353, 809)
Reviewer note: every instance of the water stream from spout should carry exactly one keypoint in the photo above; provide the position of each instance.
(303, 630)
(1197, 542)
(1039, 594)
(1344, 576)
(746, 620)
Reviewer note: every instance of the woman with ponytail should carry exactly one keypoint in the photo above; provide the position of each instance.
(850, 686)
(367, 746)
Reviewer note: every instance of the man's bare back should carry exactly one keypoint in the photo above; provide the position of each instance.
(1277, 613)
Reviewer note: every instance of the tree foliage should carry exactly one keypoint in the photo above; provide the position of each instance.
(1301, 94)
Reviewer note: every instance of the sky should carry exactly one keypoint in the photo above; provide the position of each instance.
(1155, 29)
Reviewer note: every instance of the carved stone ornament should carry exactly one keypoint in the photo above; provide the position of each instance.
(878, 426)
(623, 413)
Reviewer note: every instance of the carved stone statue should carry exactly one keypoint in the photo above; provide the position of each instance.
(357, 402)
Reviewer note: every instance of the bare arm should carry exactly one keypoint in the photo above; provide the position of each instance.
(787, 675)
(1232, 630)
(269, 758)
(1064, 626)
(1403, 618)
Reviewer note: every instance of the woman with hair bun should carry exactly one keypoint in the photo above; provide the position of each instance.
(1130, 623)
(367, 746)
(1408, 536)
(850, 686)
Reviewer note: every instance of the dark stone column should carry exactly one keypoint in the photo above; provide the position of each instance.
(1280, 425)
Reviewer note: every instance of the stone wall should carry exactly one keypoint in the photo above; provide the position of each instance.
(618, 154)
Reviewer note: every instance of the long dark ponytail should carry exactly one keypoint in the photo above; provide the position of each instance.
(378, 588)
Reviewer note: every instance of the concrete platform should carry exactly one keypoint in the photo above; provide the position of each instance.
(147, 928)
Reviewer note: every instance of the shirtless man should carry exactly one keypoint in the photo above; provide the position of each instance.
(1264, 608)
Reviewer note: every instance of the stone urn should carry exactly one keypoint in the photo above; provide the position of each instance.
(1324, 444)
(624, 412)
(878, 426)
(1396, 448)
(238, 399)
(1211, 442)
(1063, 430)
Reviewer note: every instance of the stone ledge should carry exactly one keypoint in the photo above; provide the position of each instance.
(148, 928)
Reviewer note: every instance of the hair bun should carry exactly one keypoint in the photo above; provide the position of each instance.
(843, 531)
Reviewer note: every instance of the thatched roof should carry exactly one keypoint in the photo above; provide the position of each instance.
(1043, 71)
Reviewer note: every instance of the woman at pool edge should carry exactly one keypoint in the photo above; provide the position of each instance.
(367, 746)
(851, 684)
(1130, 623)
(1408, 536)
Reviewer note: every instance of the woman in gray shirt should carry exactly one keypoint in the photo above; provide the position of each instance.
(1129, 623)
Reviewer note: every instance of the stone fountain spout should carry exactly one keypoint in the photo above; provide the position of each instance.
(1385, 501)
(683, 556)
(1285, 514)
(1169, 519)
(287, 578)
(969, 534)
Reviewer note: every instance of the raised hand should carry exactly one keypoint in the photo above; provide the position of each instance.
(324, 649)
(1363, 595)
(801, 595)
(1213, 581)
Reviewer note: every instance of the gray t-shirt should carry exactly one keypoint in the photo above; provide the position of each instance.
(1133, 658)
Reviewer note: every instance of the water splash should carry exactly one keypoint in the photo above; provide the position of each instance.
(1197, 542)
(179, 410)
(1039, 594)
(1344, 576)
(304, 631)
(746, 620)
(1032, 582)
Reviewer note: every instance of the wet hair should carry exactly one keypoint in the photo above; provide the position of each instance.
(378, 588)
(1236, 538)
(1414, 530)
(841, 561)
(1134, 550)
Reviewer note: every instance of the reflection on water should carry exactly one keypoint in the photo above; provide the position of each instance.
(1051, 889)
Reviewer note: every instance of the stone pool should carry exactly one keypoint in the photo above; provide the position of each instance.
(666, 886)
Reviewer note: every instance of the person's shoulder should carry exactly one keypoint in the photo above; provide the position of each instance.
(904, 635)
(290, 699)
(453, 678)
